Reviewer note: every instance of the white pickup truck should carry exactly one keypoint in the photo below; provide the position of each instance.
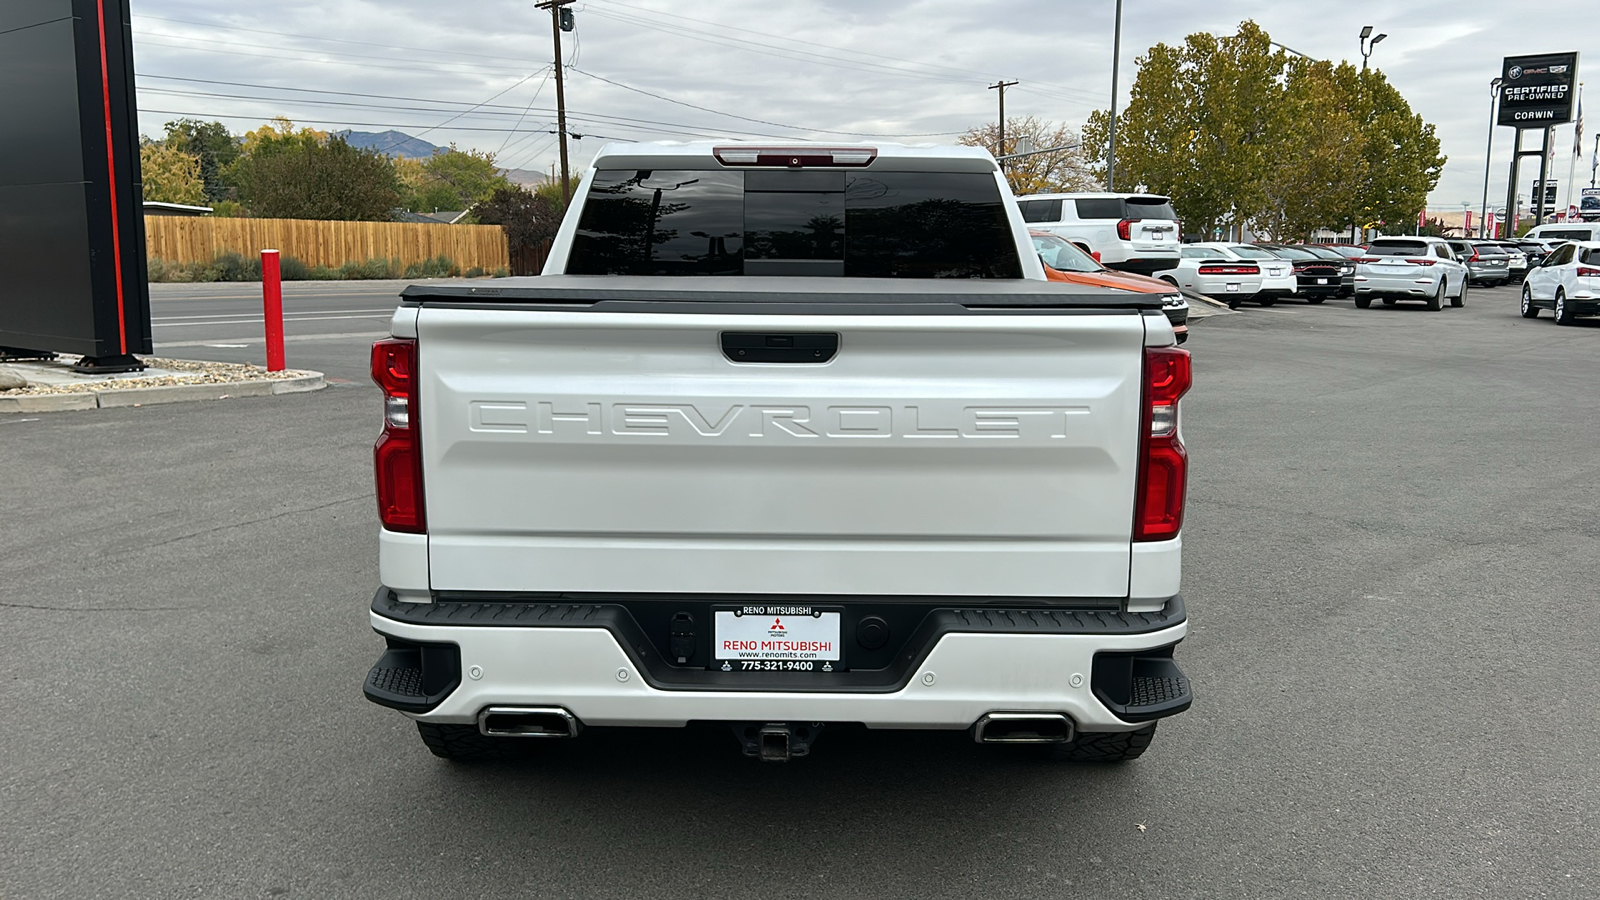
(783, 437)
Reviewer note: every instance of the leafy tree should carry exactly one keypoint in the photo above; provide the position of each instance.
(1317, 166)
(1062, 170)
(170, 175)
(290, 174)
(1401, 151)
(450, 179)
(528, 218)
(1235, 132)
(214, 145)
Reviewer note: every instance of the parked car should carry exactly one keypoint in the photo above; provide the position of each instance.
(1066, 262)
(1536, 250)
(1566, 283)
(1410, 268)
(1205, 270)
(1316, 276)
(1338, 253)
(1516, 259)
(1348, 251)
(1277, 274)
(1486, 263)
(1131, 232)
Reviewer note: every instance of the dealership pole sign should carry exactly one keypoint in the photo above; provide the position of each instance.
(72, 246)
(1538, 91)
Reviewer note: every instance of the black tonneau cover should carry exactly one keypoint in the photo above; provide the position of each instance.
(644, 293)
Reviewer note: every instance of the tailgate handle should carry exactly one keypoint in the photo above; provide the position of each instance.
(779, 347)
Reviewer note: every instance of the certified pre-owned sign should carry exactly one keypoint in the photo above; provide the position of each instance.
(1538, 91)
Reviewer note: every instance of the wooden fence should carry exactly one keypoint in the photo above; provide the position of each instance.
(181, 239)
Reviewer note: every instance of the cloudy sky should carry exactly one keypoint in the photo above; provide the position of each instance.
(476, 72)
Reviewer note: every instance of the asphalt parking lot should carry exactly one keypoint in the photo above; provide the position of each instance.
(1389, 569)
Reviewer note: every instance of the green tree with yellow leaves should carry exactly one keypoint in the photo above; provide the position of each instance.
(170, 175)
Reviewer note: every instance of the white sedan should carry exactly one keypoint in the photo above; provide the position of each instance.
(1277, 274)
(1567, 283)
(1205, 270)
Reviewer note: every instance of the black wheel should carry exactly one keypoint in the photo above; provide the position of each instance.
(1233, 302)
(1170, 280)
(1364, 302)
(464, 743)
(1103, 746)
(1460, 299)
(1315, 300)
(1389, 301)
(1564, 314)
(1529, 311)
(1437, 300)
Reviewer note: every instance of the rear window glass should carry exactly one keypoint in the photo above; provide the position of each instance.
(1295, 253)
(1040, 210)
(1591, 256)
(1566, 234)
(1399, 248)
(780, 222)
(1150, 208)
(1124, 208)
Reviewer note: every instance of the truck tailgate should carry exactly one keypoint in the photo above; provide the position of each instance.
(985, 456)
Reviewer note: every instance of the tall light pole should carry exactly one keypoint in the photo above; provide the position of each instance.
(1488, 154)
(1116, 63)
(1366, 48)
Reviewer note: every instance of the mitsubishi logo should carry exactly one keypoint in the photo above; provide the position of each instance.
(777, 625)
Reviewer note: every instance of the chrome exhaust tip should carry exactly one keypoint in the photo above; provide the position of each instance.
(528, 722)
(1024, 728)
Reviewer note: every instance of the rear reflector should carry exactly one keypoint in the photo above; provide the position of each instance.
(397, 456)
(796, 157)
(1163, 462)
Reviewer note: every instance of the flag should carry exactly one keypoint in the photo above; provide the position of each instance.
(1422, 219)
(1467, 227)
(1489, 224)
(1577, 134)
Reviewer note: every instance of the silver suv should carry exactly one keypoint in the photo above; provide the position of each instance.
(1132, 232)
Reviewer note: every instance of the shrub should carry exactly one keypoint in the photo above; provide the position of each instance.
(376, 267)
(293, 269)
(231, 266)
(474, 272)
(438, 267)
(502, 272)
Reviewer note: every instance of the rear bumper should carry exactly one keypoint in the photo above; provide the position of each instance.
(1398, 285)
(1106, 670)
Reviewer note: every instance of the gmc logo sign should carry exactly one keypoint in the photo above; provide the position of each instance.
(568, 419)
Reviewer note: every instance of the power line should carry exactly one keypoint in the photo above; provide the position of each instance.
(321, 52)
(279, 57)
(747, 118)
(312, 37)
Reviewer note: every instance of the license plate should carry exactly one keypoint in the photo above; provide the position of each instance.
(1322, 281)
(777, 638)
(1158, 236)
(1233, 286)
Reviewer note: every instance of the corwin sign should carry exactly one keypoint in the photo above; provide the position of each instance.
(1538, 91)
(72, 255)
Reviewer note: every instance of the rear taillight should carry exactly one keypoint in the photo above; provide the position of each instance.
(1163, 463)
(1230, 270)
(1364, 260)
(1585, 272)
(397, 457)
(1125, 229)
(1420, 262)
(1473, 257)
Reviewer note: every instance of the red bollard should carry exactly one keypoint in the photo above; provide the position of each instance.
(272, 309)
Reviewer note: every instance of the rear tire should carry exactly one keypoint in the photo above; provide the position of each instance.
(1364, 302)
(1315, 300)
(1102, 746)
(465, 743)
(1564, 314)
(1436, 302)
(1266, 301)
(1233, 303)
(1460, 299)
(1529, 311)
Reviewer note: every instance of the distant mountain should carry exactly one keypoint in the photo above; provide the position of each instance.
(394, 143)
(528, 178)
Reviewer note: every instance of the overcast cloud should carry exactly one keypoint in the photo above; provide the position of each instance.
(821, 69)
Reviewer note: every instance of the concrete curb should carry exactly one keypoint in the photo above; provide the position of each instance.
(169, 393)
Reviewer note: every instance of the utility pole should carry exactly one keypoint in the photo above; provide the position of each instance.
(1488, 155)
(1001, 85)
(1116, 63)
(556, 17)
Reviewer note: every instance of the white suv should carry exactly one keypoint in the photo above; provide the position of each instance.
(1132, 232)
